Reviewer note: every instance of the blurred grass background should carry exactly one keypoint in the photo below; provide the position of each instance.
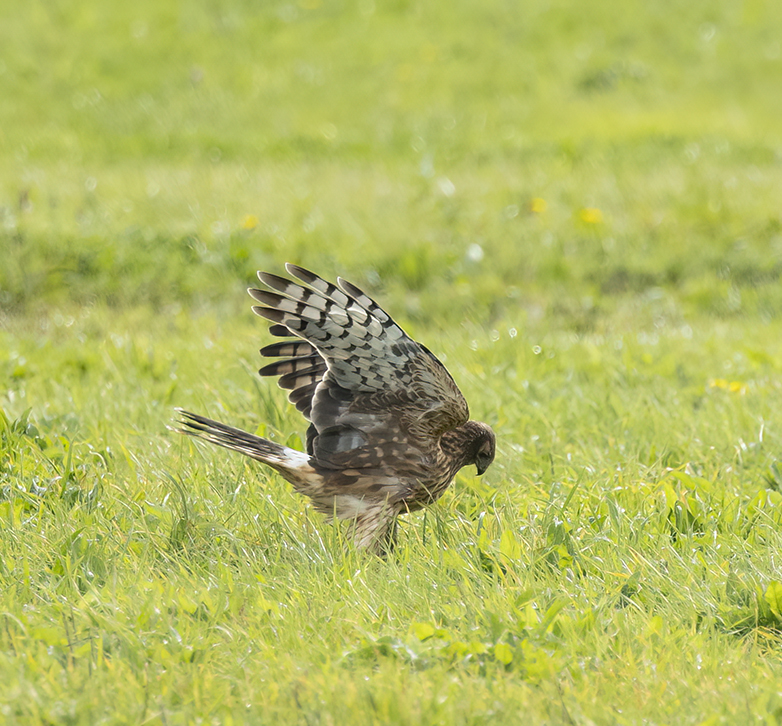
(158, 152)
(576, 205)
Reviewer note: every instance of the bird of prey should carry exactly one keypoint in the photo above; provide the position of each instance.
(388, 427)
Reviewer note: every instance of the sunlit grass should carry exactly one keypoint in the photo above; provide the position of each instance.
(631, 518)
(576, 207)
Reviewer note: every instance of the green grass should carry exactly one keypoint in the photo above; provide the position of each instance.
(618, 564)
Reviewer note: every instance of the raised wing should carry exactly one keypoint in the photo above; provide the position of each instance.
(300, 370)
(369, 390)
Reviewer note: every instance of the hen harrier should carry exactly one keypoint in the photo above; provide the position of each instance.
(388, 429)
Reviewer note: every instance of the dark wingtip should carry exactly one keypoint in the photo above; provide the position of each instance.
(272, 299)
(280, 331)
(350, 288)
(276, 316)
(301, 273)
(275, 282)
(268, 370)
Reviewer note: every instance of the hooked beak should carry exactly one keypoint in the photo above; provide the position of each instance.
(481, 469)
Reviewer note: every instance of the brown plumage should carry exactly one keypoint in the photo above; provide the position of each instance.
(389, 428)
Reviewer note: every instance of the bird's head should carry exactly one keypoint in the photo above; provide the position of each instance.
(482, 440)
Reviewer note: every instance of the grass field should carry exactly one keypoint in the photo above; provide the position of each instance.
(575, 205)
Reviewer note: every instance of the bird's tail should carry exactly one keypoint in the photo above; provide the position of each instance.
(282, 458)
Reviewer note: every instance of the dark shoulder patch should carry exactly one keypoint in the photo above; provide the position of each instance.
(337, 439)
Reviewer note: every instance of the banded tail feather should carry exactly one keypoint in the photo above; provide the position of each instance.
(282, 458)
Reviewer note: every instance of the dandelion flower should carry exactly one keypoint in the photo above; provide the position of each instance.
(591, 215)
(538, 205)
(250, 221)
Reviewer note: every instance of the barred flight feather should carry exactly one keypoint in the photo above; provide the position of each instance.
(388, 429)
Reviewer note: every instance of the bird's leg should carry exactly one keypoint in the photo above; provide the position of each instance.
(387, 544)
(375, 529)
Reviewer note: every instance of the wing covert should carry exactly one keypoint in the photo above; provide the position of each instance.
(352, 371)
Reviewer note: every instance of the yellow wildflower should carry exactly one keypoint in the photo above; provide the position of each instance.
(250, 221)
(538, 205)
(591, 215)
(731, 386)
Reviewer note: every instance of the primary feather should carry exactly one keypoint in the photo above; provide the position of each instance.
(389, 427)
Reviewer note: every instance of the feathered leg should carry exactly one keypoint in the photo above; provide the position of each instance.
(375, 529)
